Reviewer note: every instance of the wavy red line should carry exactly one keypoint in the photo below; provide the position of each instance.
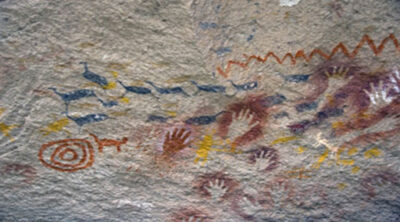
(301, 54)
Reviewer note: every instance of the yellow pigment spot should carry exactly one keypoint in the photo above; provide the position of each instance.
(2, 110)
(124, 100)
(283, 140)
(374, 152)
(338, 125)
(355, 170)
(171, 113)
(348, 162)
(321, 159)
(5, 130)
(114, 74)
(110, 85)
(301, 149)
(206, 145)
(341, 186)
(352, 151)
(55, 126)
(330, 98)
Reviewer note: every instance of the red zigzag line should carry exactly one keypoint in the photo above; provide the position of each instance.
(301, 54)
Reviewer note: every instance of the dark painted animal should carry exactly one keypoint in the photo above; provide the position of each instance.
(203, 120)
(281, 115)
(91, 118)
(155, 118)
(296, 78)
(74, 95)
(107, 104)
(306, 106)
(135, 89)
(246, 86)
(273, 100)
(209, 88)
(170, 90)
(93, 77)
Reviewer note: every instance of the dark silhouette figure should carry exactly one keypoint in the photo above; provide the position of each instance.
(93, 77)
(246, 86)
(171, 90)
(135, 89)
(203, 120)
(209, 88)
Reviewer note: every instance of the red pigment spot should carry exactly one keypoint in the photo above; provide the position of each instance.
(202, 183)
(253, 103)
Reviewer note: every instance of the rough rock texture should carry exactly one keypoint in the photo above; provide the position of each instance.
(202, 110)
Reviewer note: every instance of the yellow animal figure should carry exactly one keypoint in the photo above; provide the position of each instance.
(5, 130)
(206, 145)
(56, 126)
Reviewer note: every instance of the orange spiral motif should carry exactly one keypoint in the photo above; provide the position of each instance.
(68, 155)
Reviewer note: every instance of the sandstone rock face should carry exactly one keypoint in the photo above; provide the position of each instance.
(197, 110)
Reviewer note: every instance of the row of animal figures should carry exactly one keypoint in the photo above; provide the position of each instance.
(101, 81)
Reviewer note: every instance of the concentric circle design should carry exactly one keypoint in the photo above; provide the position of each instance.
(68, 155)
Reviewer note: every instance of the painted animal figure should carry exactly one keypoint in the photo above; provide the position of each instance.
(306, 106)
(281, 115)
(297, 78)
(90, 118)
(203, 120)
(109, 142)
(246, 86)
(107, 104)
(171, 90)
(93, 77)
(209, 88)
(273, 100)
(74, 95)
(135, 89)
(155, 118)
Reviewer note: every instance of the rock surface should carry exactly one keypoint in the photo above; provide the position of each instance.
(179, 110)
